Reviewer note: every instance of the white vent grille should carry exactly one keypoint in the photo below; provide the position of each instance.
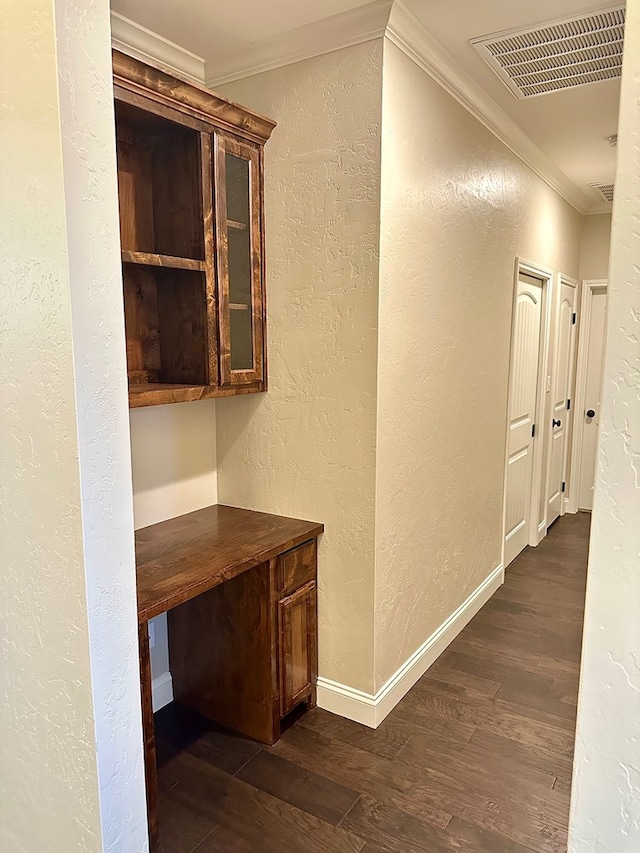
(605, 191)
(559, 55)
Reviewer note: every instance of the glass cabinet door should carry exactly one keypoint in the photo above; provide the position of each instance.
(239, 262)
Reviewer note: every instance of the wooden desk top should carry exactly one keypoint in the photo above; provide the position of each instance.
(185, 556)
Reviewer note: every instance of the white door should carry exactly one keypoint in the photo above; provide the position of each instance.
(593, 392)
(562, 381)
(523, 388)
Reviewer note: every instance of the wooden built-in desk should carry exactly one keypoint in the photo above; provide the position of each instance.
(239, 588)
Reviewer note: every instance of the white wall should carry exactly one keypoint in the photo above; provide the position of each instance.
(173, 454)
(69, 671)
(605, 808)
(457, 207)
(594, 249)
(307, 447)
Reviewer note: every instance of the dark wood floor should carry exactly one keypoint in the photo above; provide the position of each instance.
(477, 757)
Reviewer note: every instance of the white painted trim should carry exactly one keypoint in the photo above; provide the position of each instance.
(598, 208)
(161, 691)
(356, 26)
(136, 40)
(370, 709)
(584, 323)
(414, 40)
(347, 702)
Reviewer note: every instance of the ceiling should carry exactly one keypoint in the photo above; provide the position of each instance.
(570, 127)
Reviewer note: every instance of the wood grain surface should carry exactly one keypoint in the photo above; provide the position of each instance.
(186, 556)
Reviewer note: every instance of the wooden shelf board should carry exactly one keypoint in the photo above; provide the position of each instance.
(238, 306)
(159, 393)
(240, 226)
(150, 259)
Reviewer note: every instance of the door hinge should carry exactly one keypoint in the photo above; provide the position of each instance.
(564, 486)
(574, 317)
(533, 430)
(568, 405)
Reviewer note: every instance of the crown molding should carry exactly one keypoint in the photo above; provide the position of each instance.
(599, 209)
(407, 33)
(357, 26)
(141, 43)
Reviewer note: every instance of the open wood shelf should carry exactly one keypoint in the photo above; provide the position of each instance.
(151, 259)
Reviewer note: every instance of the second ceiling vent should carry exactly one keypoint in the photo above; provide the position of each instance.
(605, 191)
(559, 55)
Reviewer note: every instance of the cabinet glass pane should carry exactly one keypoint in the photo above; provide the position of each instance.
(239, 237)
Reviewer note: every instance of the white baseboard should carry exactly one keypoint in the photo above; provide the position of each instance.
(370, 709)
(161, 691)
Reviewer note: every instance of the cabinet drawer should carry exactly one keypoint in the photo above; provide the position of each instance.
(297, 567)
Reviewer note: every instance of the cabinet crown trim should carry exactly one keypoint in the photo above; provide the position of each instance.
(170, 89)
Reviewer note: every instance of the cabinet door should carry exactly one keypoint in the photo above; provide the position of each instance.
(238, 204)
(298, 655)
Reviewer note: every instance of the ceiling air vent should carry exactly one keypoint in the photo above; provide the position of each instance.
(559, 55)
(605, 191)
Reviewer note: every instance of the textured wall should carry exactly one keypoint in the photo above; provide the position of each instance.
(594, 251)
(67, 608)
(606, 788)
(456, 209)
(307, 447)
(173, 454)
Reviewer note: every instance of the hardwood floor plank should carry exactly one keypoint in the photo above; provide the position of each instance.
(494, 715)
(181, 827)
(177, 730)
(469, 761)
(522, 694)
(500, 672)
(521, 755)
(250, 814)
(309, 791)
(386, 741)
(448, 675)
(468, 836)
(392, 829)
(370, 774)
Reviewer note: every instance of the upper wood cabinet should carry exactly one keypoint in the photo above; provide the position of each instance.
(190, 183)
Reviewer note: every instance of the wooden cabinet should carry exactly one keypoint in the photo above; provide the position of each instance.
(190, 183)
(239, 588)
(244, 654)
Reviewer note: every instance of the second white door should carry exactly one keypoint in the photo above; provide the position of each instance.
(523, 391)
(562, 380)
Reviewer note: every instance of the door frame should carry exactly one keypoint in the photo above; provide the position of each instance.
(561, 279)
(584, 327)
(546, 276)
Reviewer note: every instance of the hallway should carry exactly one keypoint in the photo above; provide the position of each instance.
(477, 757)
